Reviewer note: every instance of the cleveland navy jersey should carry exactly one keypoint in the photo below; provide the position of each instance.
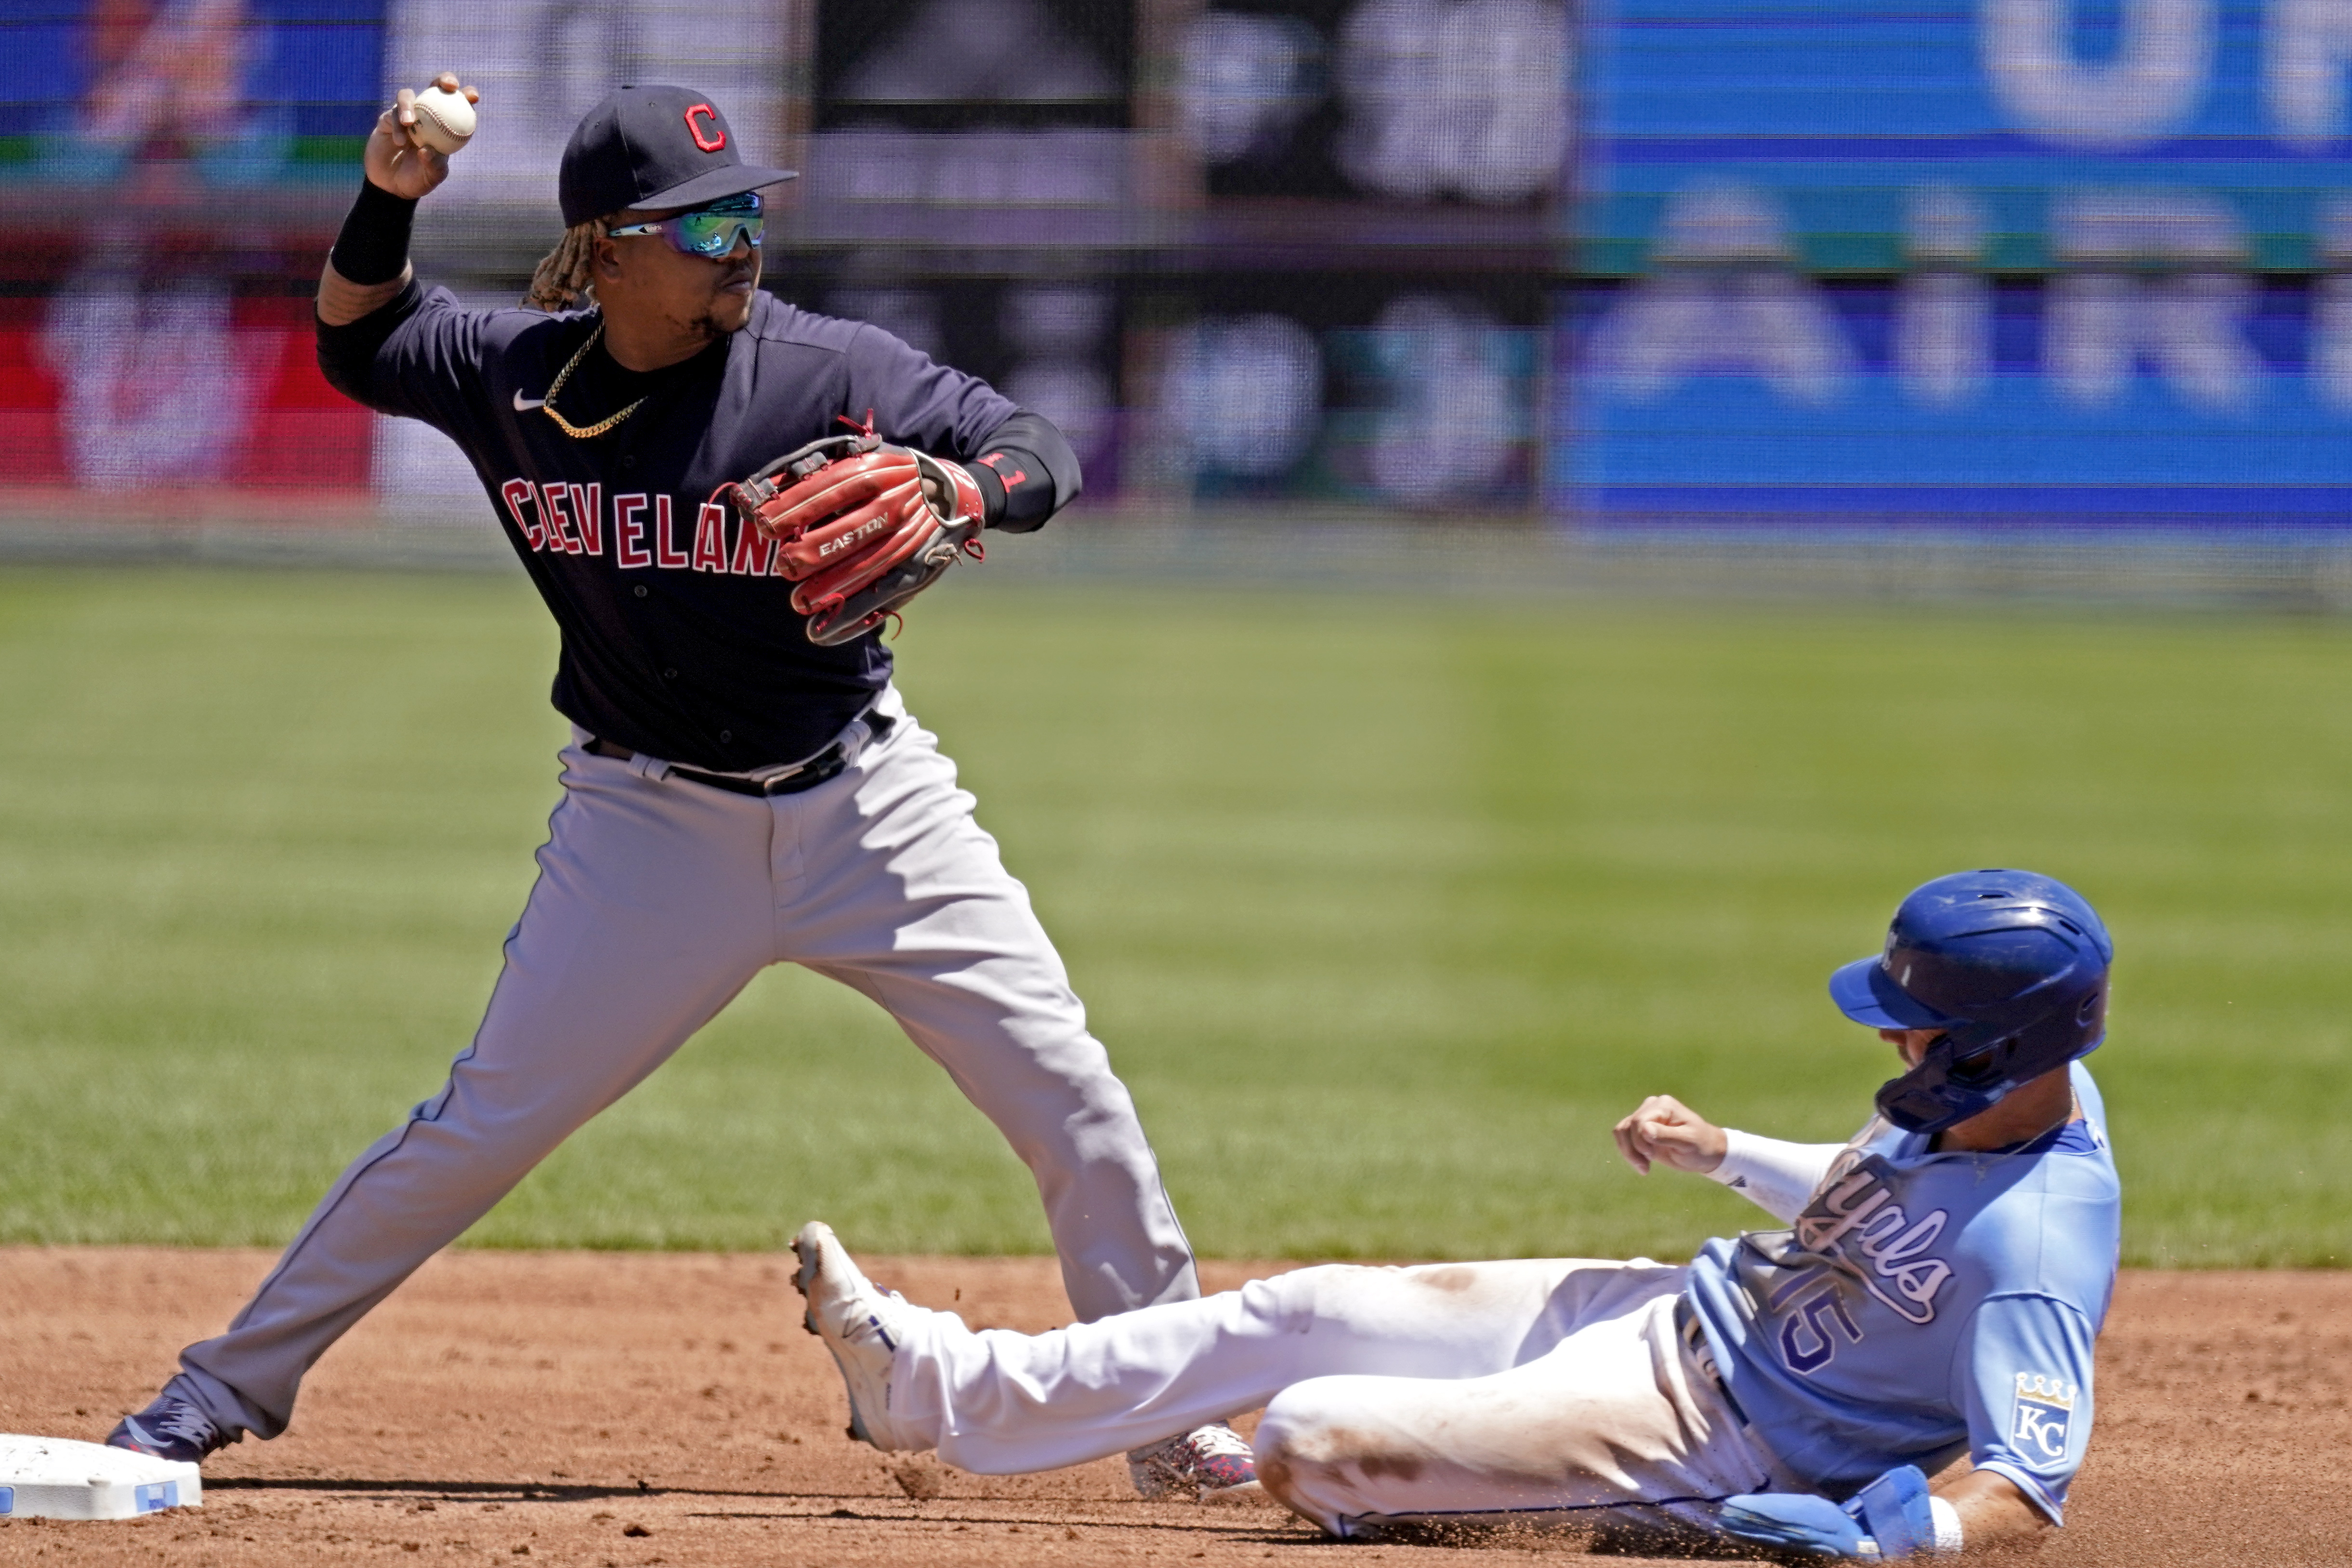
(677, 639)
(1925, 1304)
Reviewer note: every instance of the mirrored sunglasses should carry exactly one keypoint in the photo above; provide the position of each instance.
(709, 232)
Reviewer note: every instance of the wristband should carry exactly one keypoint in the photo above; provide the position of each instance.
(1027, 489)
(992, 493)
(373, 245)
(1948, 1527)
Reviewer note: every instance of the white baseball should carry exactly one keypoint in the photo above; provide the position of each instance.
(444, 121)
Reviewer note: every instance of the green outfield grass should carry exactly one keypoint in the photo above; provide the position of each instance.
(1384, 912)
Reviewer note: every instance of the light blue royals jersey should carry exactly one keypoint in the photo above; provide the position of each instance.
(1925, 1303)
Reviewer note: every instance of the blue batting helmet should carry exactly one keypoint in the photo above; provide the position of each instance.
(2013, 966)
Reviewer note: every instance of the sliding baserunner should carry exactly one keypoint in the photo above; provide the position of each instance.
(1937, 1292)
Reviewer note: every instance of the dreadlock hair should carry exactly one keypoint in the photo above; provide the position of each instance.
(563, 279)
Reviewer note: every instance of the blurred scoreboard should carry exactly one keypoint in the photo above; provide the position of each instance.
(1634, 263)
(2018, 263)
(1257, 253)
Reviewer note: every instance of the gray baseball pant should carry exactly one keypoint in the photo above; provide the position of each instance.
(658, 901)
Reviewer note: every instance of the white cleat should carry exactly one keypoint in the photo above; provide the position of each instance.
(1208, 1464)
(861, 1325)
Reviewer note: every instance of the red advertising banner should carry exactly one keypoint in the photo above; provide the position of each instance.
(188, 392)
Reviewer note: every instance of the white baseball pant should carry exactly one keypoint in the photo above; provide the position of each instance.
(1549, 1391)
(658, 901)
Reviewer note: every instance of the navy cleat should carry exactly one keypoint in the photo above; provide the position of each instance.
(170, 1428)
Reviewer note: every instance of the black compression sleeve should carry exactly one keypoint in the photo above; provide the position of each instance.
(1034, 470)
(347, 354)
(373, 245)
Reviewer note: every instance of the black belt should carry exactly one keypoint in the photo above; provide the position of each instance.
(824, 766)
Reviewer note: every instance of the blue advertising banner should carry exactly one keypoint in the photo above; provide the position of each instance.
(2022, 263)
(240, 92)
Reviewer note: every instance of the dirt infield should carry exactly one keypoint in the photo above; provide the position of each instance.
(629, 1409)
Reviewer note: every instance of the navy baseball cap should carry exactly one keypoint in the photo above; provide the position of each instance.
(653, 147)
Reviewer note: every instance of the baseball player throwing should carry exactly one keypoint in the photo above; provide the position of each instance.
(1936, 1292)
(720, 497)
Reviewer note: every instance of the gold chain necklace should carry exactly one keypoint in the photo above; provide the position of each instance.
(583, 432)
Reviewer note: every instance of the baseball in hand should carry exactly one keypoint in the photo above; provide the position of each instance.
(444, 121)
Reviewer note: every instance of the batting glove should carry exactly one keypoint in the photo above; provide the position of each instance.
(1889, 1519)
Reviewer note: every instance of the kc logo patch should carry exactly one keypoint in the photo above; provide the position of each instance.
(2044, 1411)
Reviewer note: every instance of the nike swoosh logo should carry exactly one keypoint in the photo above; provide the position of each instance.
(525, 404)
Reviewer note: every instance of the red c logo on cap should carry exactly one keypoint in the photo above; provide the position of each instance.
(694, 128)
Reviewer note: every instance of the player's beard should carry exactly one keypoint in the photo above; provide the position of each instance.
(727, 312)
(706, 329)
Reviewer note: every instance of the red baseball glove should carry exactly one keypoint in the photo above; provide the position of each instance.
(859, 529)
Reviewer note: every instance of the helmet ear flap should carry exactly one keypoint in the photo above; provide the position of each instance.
(1983, 1069)
(1969, 1070)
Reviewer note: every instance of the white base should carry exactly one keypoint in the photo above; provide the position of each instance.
(57, 1478)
